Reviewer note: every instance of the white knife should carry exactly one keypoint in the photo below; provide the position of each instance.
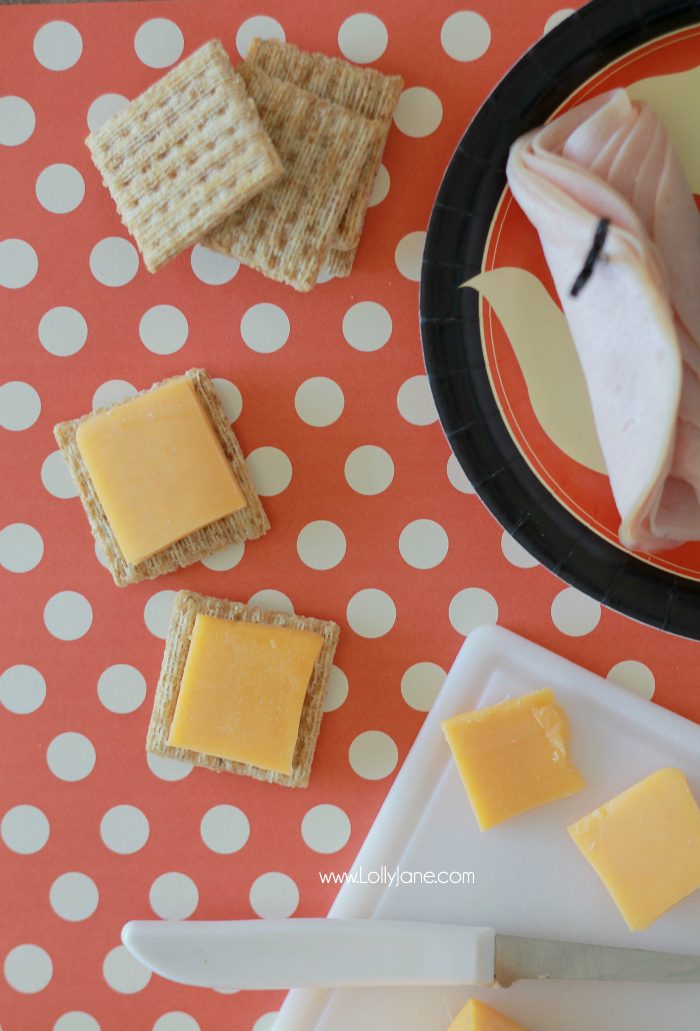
(301, 953)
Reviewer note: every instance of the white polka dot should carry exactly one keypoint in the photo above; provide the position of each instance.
(112, 392)
(418, 112)
(22, 689)
(100, 555)
(373, 755)
(415, 401)
(163, 329)
(225, 829)
(371, 613)
(168, 769)
(635, 676)
(516, 554)
(62, 331)
(274, 895)
(265, 328)
(409, 255)
(326, 828)
(261, 27)
(74, 896)
(20, 405)
(159, 43)
(18, 263)
(266, 1022)
(102, 109)
(124, 829)
(321, 544)
(465, 36)
(319, 401)
(227, 558)
(68, 615)
(60, 189)
(362, 38)
(230, 397)
(420, 684)
(337, 690)
(17, 121)
(423, 544)
(271, 470)
(123, 973)
(76, 1020)
(367, 326)
(121, 688)
(457, 476)
(21, 548)
(324, 276)
(71, 756)
(274, 601)
(557, 18)
(157, 611)
(369, 469)
(173, 896)
(471, 608)
(28, 968)
(25, 829)
(58, 46)
(574, 613)
(56, 476)
(114, 261)
(176, 1020)
(381, 186)
(212, 268)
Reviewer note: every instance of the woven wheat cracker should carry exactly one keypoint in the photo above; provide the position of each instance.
(246, 524)
(187, 606)
(286, 231)
(185, 153)
(364, 91)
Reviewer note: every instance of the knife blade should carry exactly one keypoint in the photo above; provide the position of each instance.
(324, 953)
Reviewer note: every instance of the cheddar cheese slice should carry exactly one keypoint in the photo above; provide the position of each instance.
(513, 756)
(644, 844)
(158, 468)
(477, 1016)
(242, 691)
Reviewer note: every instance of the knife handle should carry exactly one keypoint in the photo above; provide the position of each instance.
(302, 953)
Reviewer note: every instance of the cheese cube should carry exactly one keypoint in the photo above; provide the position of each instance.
(513, 757)
(477, 1016)
(242, 691)
(644, 844)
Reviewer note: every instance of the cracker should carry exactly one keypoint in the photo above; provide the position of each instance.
(339, 263)
(246, 524)
(364, 91)
(187, 606)
(185, 153)
(286, 231)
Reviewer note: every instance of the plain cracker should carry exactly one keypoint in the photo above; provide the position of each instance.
(184, 154)
(246, 524)
(187, 606)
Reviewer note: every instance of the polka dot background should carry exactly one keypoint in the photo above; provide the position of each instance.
(373, 523)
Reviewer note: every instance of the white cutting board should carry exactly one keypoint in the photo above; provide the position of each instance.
(530, 878)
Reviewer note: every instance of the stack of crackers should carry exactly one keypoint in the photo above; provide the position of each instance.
(273, 163)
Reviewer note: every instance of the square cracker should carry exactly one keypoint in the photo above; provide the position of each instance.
(245, 524)
(187, 606)
(286, 231)
(364, 91)
(185, 153)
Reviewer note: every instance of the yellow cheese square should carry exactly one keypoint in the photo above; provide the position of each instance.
(477, 1016)
(158, 468)
(644, 844)
(242, 691)
(512, 757)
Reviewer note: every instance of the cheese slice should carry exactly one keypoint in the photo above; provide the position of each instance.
(158, 468)
(513, 757)
(477, 1016)
(645, 846)
(242, 691)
